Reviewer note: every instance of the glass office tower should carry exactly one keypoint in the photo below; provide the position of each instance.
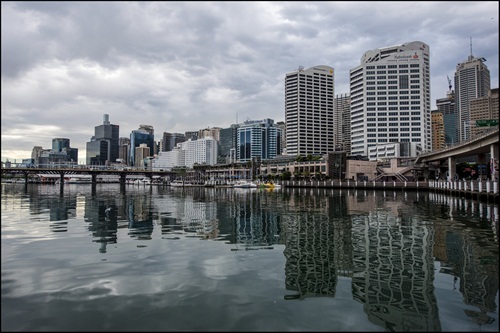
(105, 132)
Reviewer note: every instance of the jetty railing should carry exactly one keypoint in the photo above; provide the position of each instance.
(474, 189)
(481, 186)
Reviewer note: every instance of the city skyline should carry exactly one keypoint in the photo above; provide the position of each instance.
(185, 66)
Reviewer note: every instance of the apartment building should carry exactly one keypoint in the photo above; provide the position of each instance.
(309, 111)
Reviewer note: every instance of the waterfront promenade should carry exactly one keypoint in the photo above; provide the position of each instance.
(484, 190)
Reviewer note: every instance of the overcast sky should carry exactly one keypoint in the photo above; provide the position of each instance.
(185, 66)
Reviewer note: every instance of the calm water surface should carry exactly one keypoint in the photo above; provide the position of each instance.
(135, 258)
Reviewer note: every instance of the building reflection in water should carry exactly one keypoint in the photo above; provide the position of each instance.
(393, 265)
(382, 240)
(318, 244)
(61, 209)
(189, 214)
(256, 223)
(101, 214)
(139, 215)
(470, 259)
(237, 217)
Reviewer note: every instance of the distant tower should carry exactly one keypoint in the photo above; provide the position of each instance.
(448, 109)
(227, 143)
(170, 140)
(438, 134)
(103, 146)
(145, 134)
(58, 144)
(62, 145)
(472, 80)
(123, 149)
(342, 123)
(282, 126)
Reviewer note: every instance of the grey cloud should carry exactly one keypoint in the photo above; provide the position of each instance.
(185, 65)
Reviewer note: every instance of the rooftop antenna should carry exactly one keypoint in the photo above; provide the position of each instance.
(471, 56)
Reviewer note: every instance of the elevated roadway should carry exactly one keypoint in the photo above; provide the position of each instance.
(62, 172)
(481, 146)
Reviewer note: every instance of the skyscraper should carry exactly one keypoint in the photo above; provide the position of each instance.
(193, 135)
(448, 108)
(258, 138)
(390, 98)
(227, 144)
(309, 111)
(213, 132)
(145, 134)
(62, 145)
(141, 153)
(103, 146)
(342, 123)
(58, 144)
(123, 149)
(282, 126)
(170, 140)
(438, 134)
(472, 80)
(201, 151)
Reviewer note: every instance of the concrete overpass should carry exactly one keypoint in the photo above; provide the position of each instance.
(485, 147)
(84, 170)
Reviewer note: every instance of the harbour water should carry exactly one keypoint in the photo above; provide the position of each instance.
(111, 257)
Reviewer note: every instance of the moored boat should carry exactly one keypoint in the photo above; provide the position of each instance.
(244, 184)
(78, 180)
(143, 181)
(177, 183)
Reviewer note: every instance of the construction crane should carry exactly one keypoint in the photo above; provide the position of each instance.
(449, 82)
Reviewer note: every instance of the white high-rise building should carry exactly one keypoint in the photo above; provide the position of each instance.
(188, 153)
(390, 98)
(167, 160)
(309, 111)
(201, 151)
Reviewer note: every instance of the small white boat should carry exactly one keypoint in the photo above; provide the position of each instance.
(143, 181)
(177, 183)
(244, 184)
(78, 180)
